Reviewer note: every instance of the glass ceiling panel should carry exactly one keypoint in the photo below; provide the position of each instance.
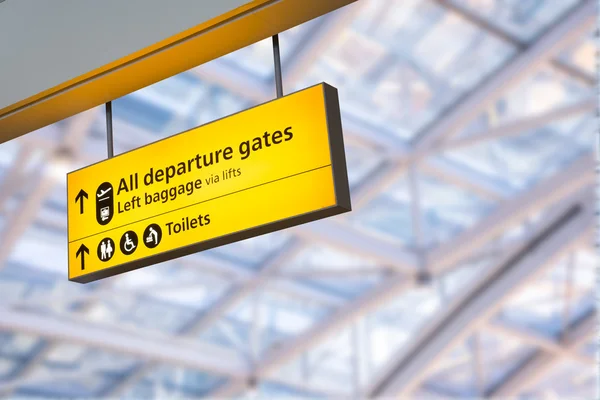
(177, 93)
(327, 365)
(568, 380)
(523, 18)
(333, 361)
(454, 281)
(399, 86)
(275, 317)
(81, 387)
(522, 161)
(142, 114)
(140, 312)
(546, 90)
(220, 103)
(455, 374)
(8, 368)
(269, 390)
(361, 163)
(251, 253)
(395, 323)
(590, 349)
(328, 269)
(427, 393)
(39, 289)
(42, 249)
(388, 86)
(446, 211)
(500, 356)
(18, 345)
(541, 306)
(385, 219)
(80, 360)
(126, 135)
(65, 356)
(257, 59)
(583, 54)
(9, 151)
(170, 382)
(176, 284)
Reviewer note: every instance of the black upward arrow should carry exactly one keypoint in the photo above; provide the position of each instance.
(82, 193)
(82, 249)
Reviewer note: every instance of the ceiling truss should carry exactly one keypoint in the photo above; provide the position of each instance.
(408, 369)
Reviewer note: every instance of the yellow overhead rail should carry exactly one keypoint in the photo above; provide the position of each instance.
(63, 57)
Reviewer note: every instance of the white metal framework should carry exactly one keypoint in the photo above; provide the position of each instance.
(466, 268)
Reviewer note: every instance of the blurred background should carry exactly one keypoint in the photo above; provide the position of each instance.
(466, 269)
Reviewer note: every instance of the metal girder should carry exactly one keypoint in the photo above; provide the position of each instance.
(334, 273)
(234, 296)
(340, 227)
(318, 41)
(161, 348)
(22, 218)
(63, 152)
(558, 234)
(374, 298)
(580, 20)
(291, 288)
(491, 26)
(239, 292)
(343, 237)
(542, 362)
(565, 31)
(366, 136)
(579, 174)
(15, 174)
(28, 372)
(383, 177)
(250, 88)
(524, 125)
(234, 80)
(494, 87)
(463, 178)
(342, 318)
(543, 342)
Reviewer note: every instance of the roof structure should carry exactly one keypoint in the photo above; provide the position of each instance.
(466, 268)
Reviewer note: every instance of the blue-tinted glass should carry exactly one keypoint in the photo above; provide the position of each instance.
(141, 114)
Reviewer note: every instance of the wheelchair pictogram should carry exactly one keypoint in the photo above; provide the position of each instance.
(129, 242)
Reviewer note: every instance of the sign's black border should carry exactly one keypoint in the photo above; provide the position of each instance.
(341, 188)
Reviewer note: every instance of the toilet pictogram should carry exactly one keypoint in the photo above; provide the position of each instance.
(106, 249)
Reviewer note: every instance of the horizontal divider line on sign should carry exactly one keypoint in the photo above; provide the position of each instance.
(202, 201)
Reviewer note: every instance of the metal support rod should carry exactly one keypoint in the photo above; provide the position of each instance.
(277, 60)
(109, 130)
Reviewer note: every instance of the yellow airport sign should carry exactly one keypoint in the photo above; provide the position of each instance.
(267, 168)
